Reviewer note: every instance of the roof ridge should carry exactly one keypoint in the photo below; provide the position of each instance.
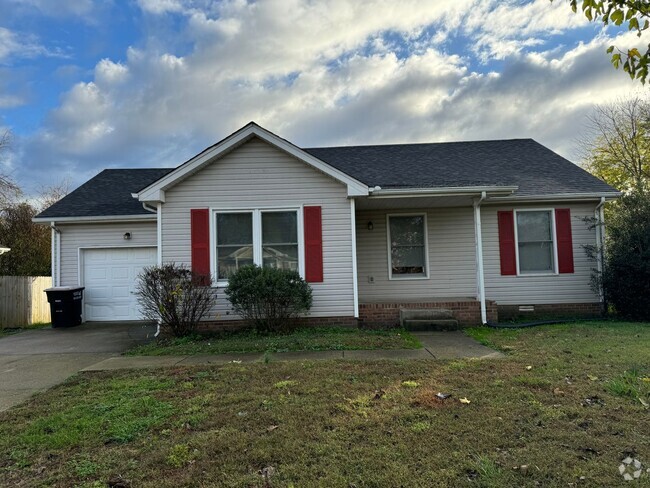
(421, 143)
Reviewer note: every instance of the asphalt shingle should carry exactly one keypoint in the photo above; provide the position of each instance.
(525, 163)
(108, 193)
(535, 169)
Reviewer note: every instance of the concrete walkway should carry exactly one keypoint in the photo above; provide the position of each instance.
(437, 345)
(35, 360)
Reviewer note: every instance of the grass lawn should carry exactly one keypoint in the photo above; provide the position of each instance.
(309, 339)
(563, 409)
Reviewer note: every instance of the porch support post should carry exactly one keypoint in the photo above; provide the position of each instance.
(480, 277)
(355, 286)
(599, 214)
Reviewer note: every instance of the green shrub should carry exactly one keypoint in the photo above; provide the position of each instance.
(174, 297)
(268, 298)
(626, 276)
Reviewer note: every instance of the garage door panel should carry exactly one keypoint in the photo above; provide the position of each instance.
(110, 277)
(96, 274)
(120, 272)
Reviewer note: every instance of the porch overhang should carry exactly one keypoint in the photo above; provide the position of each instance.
(385, 198)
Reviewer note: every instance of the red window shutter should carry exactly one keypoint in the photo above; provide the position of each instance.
(507, 243)
(200, 232)
(313, 244)
(564, 240)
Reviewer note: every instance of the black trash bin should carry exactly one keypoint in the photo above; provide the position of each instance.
(65, 305)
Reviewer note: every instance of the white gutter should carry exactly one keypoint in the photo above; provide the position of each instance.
(378, 192)
(148, 207)
(555, 196)
(480, 275)
(355, 285)
(599, 214)
(100, 218)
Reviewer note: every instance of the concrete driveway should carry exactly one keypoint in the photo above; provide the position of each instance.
(35, 360)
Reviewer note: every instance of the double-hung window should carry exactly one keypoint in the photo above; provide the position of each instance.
(280, 240)
(535, 247)
(407, 246)
(264, 237)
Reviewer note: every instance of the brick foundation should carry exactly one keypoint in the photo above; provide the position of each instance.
(554, 310)
(232, 325)
(467, 312)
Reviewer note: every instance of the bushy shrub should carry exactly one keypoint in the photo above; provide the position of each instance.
(172, 295)
(626, 274)
(268, 298)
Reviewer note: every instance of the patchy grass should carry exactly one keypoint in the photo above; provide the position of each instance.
(551, 414)
(14, 330)
(309, 339)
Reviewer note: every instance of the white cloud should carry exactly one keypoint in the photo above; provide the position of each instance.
(325, 73)
(57, 8)
(14, 45)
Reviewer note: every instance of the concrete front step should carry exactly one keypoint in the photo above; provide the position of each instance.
(429, 324)
(425, 313)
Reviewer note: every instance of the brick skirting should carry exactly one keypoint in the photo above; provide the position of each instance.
(550, 310)
(208, 326)
(467, 312)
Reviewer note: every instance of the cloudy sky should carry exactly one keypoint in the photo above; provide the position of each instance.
(91, 84)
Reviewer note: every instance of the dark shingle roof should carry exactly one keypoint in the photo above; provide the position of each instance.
(535, 169)
(108, 193)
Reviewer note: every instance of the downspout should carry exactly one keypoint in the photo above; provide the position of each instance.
(599, 215)
(480, 276)
(355, 284)
(56, 255)
(159, 250)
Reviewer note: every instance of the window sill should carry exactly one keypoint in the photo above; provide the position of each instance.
(407, 278)
(549, 273)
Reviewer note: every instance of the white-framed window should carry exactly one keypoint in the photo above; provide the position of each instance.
(535, 241)
(269, 237)
(407, 246)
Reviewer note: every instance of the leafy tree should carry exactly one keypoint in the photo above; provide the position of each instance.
(633, 13)
(616, 147)
(626, 274)
(29, 242)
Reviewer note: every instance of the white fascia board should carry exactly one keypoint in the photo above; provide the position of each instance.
(575, 197)
(155, 191)
(442, 191)
(100, 218)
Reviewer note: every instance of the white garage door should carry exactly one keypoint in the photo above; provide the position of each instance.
(110, 278)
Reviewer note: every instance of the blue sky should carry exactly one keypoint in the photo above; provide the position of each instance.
(90, 84)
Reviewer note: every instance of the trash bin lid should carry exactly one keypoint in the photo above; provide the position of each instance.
(65, 288)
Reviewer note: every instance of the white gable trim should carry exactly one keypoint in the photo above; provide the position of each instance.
(156, 191)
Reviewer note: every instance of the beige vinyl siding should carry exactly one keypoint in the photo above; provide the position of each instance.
(258, 175)
(74, 236)
(522, 290)
(452, 259)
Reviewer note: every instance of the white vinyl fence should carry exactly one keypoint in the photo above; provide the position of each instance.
(22, 300)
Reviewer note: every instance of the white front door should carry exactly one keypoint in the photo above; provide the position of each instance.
(110, 277)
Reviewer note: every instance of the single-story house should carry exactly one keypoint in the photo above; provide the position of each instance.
(483, 229)
(4, 249)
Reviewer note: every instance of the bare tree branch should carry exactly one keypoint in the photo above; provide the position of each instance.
(9, 190)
